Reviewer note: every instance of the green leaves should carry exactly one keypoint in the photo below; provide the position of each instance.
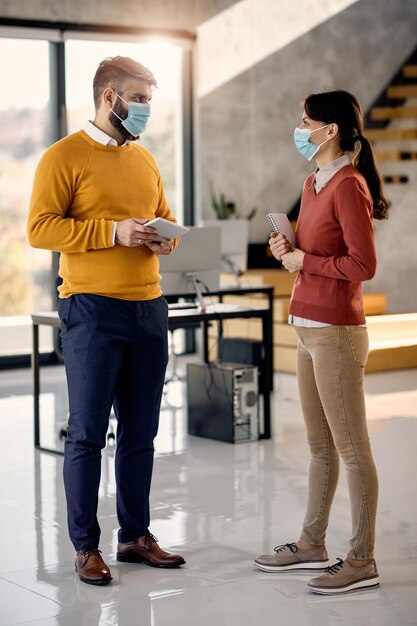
(225, 209)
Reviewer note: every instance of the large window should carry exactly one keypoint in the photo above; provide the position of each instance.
(27, 126)
(25, 273)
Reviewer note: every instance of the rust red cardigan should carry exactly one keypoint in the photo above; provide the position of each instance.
(335, 231)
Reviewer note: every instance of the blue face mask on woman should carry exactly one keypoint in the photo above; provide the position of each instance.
(137, 117)
(303, 144)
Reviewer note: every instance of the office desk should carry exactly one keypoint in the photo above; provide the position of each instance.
(180, 318)
(236, 290)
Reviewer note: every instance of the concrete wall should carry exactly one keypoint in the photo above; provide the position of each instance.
(397, 257)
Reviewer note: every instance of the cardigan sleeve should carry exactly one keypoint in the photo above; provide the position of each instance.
(357, 260)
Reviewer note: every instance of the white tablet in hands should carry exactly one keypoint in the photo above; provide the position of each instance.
(166, 229)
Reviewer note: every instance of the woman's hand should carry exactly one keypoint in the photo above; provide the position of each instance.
(279, 245)
(293, 261)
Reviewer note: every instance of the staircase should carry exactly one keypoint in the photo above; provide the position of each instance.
(391, 127)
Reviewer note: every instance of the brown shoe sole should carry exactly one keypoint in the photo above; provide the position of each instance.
(133, 558)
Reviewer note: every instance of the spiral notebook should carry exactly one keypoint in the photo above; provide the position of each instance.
(281, 225)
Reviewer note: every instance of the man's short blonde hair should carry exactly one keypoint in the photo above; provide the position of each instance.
(114, 72)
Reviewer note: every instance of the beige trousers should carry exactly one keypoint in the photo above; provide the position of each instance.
(330, 372)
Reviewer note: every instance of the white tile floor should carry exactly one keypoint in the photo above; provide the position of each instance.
(219, 505)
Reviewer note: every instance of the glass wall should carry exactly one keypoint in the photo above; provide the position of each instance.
(25, 273)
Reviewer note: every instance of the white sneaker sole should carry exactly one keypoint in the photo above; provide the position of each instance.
(301, 568)
(363, 585)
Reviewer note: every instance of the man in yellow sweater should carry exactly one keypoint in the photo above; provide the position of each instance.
(93, 194)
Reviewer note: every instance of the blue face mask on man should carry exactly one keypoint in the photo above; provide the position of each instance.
(305, 147)
(137, 117)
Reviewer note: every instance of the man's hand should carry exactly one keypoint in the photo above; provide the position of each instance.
(133, 233)
(293, 261)
(165, 247)
(279, 245)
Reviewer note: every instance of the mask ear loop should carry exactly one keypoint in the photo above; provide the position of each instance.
(316, 129)
(122, 99)
(319, 145)
(113, 111)
(118, 116)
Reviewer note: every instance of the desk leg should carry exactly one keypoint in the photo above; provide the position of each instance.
(36, 384)
(37, 391)
(204, 329)
(267, 374)
(271, 326)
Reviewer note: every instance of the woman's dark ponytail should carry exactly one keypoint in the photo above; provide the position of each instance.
(342, 108)
(365, 164)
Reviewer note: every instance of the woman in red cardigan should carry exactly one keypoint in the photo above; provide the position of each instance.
(335, 253)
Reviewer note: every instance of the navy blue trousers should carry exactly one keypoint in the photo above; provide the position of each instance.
(115, 353)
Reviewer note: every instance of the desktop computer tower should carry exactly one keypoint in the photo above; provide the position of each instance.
(222, 401)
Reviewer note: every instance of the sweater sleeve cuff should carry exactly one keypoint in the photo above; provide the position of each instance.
(311, 263)
(114, 233)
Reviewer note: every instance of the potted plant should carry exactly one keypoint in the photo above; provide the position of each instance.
(234, 233)
(225, 209)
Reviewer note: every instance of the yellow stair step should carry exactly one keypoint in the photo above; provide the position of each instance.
(391, 358)
(396, 155)
(392, 343)
(384, 330)
(374, 303)
(285, 359)
(393, 326)
(390, 134)
(387, 113)
(402, 91)
(410, 71)
(379, 359)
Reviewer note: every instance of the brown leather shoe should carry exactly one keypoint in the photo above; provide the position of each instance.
(146, 550)
(91, 568)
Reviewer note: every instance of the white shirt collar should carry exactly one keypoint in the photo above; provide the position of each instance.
(100, 136)
(323, 175)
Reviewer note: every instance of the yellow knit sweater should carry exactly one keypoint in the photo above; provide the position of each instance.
(80, 188)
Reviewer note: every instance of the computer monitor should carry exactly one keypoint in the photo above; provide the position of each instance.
(195, 263)
(234, 244)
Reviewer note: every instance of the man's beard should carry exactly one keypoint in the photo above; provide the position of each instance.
(119, 109)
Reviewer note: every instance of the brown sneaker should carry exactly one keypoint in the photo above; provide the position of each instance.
(91, 568)
(146, 550)
(289, 558)
(342, 578)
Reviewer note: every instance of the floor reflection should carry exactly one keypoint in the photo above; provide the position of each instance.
(218, 504)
